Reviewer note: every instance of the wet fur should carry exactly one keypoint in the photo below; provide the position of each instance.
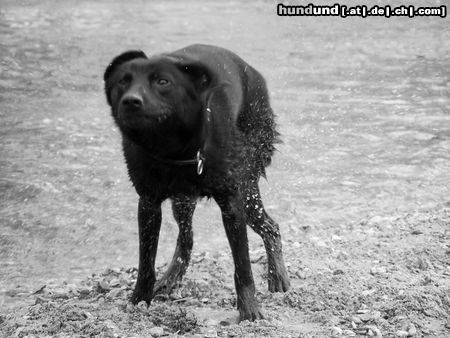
(238, 143)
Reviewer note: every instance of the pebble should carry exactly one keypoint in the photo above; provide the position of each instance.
(84, 292)
(110, 329)
(378, 270)
(362, 310)
(412, 331)
(375, 220)
(103, 286)
(129, 307)
(321, 244)
(349, 333)
(401, 333)
(375, 330)
(41, 300)
(301, 274)
(40, 290)
(211, 322)
(356, 319)
(342, 255)
(156, 331)
(296, 245)
(210, 334)
(336, 238)
(18, 332)
(376, 315)
(176, 294)
(336, 331)
(366, 293)
(60, 294)
(422, 264)
(87, 315)
(349, 184)
(108, 334)
(114, 282)
(193, 302)
(114, 293)
(110, 324)
(365, 317)
(142, 305)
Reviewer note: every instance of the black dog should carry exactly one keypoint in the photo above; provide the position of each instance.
(197, 122)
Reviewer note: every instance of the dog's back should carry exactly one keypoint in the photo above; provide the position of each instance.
(248, 102)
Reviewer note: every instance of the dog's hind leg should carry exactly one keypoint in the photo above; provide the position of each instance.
(183, 208)
(234, 222)
(268, 229)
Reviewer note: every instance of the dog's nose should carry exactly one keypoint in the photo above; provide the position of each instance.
(133, 101)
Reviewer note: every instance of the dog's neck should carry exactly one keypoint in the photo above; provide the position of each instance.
(198, 160)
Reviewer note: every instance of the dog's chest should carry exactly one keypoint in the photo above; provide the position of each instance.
(167, 182)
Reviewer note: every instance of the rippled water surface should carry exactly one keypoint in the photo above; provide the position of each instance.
(363, 107)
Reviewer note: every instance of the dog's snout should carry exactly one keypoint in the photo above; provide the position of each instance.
(133, 101)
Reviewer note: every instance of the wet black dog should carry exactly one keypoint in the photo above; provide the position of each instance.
(197, 122)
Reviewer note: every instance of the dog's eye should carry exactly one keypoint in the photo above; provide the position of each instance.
(125, 79)
(162, 82)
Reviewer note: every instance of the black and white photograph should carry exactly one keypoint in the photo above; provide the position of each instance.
(224, 169)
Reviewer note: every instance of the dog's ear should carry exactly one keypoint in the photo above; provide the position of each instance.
(198, 73)
(118, 60)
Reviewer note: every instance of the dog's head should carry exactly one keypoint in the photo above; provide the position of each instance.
(161, 95)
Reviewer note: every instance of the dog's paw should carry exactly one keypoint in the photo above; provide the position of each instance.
(279, 281)
(139, 296)
(250, 312)
(162, 287)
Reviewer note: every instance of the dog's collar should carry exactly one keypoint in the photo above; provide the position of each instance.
(199, 159)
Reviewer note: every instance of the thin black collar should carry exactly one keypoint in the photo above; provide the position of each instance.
(199, 159)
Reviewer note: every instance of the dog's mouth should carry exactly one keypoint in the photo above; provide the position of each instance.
(138, 117)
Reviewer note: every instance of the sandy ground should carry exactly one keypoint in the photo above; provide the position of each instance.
(360, 185)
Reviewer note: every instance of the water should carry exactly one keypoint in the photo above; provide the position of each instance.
(362, 106)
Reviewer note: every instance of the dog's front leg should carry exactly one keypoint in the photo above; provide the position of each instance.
(149, 219)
